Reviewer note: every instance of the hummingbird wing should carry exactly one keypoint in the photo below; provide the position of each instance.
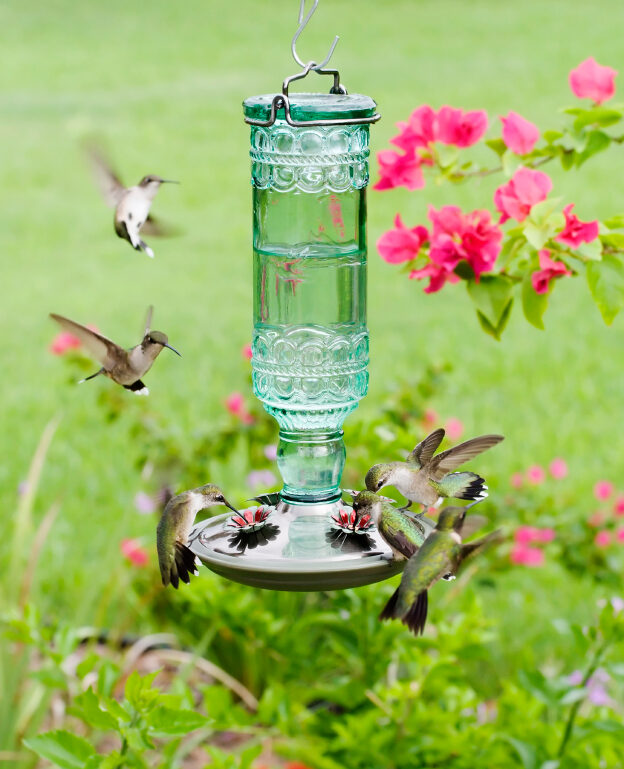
(423, 452)
(473, 548)
(472, 524)
(447, 461)
(102, 349)
(110, 184)
(148, 319)
(154, 226)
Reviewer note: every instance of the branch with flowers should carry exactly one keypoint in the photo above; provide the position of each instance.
(537, 239)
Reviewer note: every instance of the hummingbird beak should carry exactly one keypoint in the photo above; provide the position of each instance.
(168, 181)
(227, 504)
(175, 351)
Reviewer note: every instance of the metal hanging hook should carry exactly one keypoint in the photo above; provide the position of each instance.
(303, 22)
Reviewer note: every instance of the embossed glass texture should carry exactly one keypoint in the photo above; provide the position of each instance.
(310, 341)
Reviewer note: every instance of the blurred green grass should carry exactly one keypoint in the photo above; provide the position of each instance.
(162, 84)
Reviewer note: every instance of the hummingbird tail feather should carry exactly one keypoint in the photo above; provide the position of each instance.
(138, 388)
(463, 485)
(185, 562)
(416, 616)
(390, 608)
(144, 247)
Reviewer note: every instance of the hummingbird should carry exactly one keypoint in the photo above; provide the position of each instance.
(176, 560)
(439, 556)
(126, 367)
(426, 479)
(131, 204)
(404, 533)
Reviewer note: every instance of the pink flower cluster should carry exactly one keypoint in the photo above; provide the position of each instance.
(523, 553)
(235, 404)
(134, 552)
(604, 492)
(591, 80)
(424, 127)
(536, 475)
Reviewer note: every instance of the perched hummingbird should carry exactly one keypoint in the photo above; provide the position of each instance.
(404, 533)
(126, 367)
(440, 555)
(426, 479)
(131, 204)
(175, 559)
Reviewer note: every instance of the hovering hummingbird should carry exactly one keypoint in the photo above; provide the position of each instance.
(131, 204)
(175, 559)
(426, 479)
(404, 533)
(439, 556)
(126, 367)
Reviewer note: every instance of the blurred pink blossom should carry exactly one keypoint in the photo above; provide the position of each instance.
(270, 452)
(517, 480)
(617, 603)
(575, 231)
(524, 535)
(558, 468)
(619, 535)
(618, 507)
(402, 243)
(576, 678)
(63, 342)
(246, 352)
(143, 503)
(134, 552)
(603, 490)
(526, 187)
(596, 519)
(454, 428)
(235, 404)
(261, 479)
(536, 475)
(591, 80)
(419, 130)
(521, 555)
(549, 270)
(397, 170)
(430, 418)
(602, 538)
(463, 129)
(596, 686)
(519, 134)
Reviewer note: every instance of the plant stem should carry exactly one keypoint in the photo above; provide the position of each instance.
(569, 727)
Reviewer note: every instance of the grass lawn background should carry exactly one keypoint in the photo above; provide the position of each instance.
(162, 84)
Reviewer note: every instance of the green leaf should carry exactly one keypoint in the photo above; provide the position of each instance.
(497, 145)
(573, 695)
(536, 235)
(447, 155)
(138, 692)
(591, 252)
(540, 212)
(115, 709)
(613, 239)
(596, 142)
(533, 304)
(492, 296)
(511, 163)
(602, 116)
(567, 159)
(61, 748)
(615, 222)
(525, 751)
(551, 136)
(164, 720)
(606, 283)
(88, 709)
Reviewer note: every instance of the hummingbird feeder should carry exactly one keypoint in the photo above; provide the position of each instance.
(309, 172)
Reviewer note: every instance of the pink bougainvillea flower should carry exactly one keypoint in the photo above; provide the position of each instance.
(522, 555)
(399, 171)
(517, 480)
(602, 538)
(143, 503)
(246, 352)
(536, 475)
(619, 535)
(235, 404)
(134, 552)
(618, 507)
(63, 342)
(430, 418)
(437, 275)
(456, 236)
(454, 428)
(261, 479)
(558, 468)
(519, 134)
(545, 535)
(603, 490)
(526, 187)
(525, 535)
(596, 519)
(591, 80)
(550, 270)
(460, 128)
(576, 231)
(402, 243)
(419, 130)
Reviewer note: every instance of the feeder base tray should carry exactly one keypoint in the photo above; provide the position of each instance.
(294, 547)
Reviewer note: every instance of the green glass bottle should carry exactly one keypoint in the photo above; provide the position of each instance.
(310, 340)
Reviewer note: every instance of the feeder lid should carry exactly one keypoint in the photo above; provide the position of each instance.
(312, 107)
